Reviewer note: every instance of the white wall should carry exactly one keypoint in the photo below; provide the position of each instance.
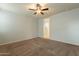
(16, 27)
(64, 27)
(40, 27)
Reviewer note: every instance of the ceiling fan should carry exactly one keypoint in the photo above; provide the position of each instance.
(39, 9)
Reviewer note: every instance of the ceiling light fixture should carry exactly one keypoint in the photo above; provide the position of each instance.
(39, 9)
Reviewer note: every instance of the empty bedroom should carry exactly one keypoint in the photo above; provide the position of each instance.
(39, 29)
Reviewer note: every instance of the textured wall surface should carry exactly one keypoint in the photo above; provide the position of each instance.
(16, 27)
(63, 27)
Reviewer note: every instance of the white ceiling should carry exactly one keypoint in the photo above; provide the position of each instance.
(22, 8)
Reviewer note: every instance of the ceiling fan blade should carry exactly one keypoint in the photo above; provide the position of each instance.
(42, 13)
(35, 13)
(32, 9)
(45, 9)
